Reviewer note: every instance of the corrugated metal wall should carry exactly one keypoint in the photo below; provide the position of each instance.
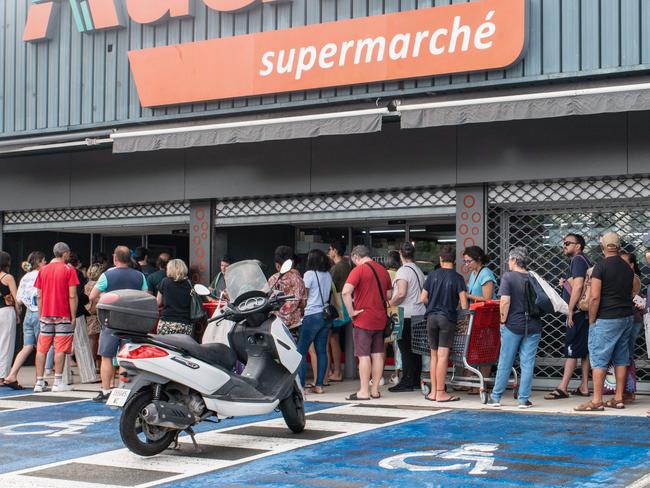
(83, 80)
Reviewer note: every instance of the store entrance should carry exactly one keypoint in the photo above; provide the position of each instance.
(428, 236)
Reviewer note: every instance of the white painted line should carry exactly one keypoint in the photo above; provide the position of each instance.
(643, 482)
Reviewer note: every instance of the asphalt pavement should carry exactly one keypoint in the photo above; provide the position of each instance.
(66, 440)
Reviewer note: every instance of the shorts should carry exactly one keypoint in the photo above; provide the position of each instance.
(441, 331)
(609, 341)
(108, 343)
(57, 332)
(31, 328)
(367, 342)
(576, 340)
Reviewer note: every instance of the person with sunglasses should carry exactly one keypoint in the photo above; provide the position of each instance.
(577, 324)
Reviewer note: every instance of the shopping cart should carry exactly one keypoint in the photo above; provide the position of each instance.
(476, 343)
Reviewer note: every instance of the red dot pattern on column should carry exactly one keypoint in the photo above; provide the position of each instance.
(468, 226)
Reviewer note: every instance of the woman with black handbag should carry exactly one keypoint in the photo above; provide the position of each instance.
(318, 314)
(175, 297)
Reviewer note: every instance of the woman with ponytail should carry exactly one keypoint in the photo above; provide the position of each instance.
(26, 296)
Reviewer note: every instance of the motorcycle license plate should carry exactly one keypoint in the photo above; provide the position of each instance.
(118, 397)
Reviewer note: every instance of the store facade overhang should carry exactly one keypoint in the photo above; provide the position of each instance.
(249, 131)
(602, 97)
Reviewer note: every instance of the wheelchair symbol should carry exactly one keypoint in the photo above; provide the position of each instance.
(480, 459)
(53, 429)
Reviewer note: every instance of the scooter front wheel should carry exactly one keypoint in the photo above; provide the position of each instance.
(293, 410)
(138, 436)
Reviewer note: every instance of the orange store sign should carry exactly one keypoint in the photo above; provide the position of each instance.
(475, 36)
(482, 35)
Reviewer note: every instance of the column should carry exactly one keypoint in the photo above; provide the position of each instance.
(201, 232)
(471, 209)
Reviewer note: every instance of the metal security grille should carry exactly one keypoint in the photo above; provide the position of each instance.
(317, 207)
(538, 215)
(24, 220)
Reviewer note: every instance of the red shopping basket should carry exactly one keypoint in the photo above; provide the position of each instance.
(211, 306)
(485, 337)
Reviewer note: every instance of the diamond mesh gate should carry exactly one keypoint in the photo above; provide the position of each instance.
(538, 215)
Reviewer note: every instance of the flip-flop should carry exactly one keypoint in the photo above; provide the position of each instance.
(309, 385)
(355, 398)
(577, 392)
(14, 385)
(556, 394)
(430, 399)
(375, 397)
(450, 399)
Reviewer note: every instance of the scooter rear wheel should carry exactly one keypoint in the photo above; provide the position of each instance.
(293, 410)
(138, 436)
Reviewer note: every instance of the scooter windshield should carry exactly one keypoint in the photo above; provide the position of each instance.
(245, 276)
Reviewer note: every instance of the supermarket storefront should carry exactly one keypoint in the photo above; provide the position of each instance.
(217, 126)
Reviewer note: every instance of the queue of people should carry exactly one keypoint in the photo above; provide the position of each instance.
(605, 314)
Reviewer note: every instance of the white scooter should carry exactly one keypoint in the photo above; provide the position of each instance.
(171, 383)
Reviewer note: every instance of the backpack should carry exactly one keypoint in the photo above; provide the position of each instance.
(530, 300)
(583, 304)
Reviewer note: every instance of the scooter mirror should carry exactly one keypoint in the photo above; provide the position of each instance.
(286, 266)
(201, 290)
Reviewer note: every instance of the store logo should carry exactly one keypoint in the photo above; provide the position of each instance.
(460, 38)
(93, 15)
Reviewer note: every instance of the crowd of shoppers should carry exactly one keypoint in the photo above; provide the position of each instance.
(605, 314)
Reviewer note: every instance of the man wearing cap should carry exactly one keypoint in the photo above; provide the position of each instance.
(611, 312)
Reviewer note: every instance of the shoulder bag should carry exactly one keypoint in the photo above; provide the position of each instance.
(330, 312)
(388, 328)
(197, 312)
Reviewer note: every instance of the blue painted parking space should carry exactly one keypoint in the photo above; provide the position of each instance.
(461, 448)
(6, 392)
(58, 432)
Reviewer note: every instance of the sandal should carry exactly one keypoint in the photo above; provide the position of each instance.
(450, 399)
(614, 403)
(590, 406)
(556, 394)
(355, 398)
(577, 392)
(309, 385)
(14, 385)
(375, 397)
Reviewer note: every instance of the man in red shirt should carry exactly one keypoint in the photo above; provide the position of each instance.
(57, 306)
(371, 286)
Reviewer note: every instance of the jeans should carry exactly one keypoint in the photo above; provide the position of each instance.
(512, 343)
(609, 341)
(313, 329)
(411, 362)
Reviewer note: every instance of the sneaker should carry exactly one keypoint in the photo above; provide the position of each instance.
(493, 403)
(40, 388)
(382, 382)
(61, 387)
(524, 406)
(101, 397)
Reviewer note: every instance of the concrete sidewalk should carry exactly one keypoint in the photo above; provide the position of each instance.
(337, 393)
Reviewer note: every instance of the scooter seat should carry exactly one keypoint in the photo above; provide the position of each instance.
(216, 354)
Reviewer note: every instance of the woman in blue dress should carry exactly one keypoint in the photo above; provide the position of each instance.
(481, 287)
(482, 282)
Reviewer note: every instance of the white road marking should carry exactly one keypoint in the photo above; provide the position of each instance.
(643, 482)
(189, 465)
(17, 404)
